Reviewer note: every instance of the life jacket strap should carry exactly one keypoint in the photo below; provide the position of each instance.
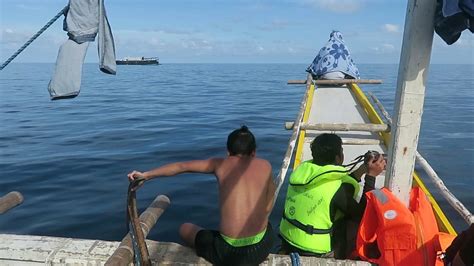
(307, 228)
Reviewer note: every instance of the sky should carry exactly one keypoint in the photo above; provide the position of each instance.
(225, 31)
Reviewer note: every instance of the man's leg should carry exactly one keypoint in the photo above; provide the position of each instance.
(188, 232)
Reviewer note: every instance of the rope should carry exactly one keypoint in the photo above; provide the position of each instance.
(63, 11)
(295, 259)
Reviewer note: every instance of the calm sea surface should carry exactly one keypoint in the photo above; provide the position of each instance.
(70, 158)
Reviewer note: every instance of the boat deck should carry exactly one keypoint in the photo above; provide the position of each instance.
(43, 250)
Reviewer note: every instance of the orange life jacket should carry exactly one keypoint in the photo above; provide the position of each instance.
(392, 234)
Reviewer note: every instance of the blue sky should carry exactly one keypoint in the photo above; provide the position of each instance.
(224, 31)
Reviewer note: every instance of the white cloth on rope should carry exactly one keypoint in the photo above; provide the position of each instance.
(84, 20)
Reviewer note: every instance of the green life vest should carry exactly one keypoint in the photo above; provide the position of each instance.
(306, 222)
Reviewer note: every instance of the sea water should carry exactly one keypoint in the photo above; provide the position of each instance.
(70, 158)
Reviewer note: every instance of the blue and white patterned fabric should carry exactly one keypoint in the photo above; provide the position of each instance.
(334, 57)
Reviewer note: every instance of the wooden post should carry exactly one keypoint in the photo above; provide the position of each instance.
(10, 200)
(411, 83)
(124, 253)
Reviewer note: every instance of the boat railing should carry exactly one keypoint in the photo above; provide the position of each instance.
(280, 179)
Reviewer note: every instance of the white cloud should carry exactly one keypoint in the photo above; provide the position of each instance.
(16, 37)
(27, 7)
(274, 25)
(392, 28)
(385, 48)
(9, 36)
(466, 40)
(337, 6)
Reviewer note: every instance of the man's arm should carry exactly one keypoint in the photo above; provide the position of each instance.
(344, 201)
(343, 198)
(271, 188)
(357, 174)
(172, 169)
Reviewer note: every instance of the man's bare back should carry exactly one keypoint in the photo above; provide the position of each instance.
(246, 191)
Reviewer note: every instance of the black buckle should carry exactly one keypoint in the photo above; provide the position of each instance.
(307, 228)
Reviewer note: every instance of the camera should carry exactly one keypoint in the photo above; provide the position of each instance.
(373, 155)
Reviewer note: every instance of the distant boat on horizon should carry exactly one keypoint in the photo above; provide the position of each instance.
(138, 61)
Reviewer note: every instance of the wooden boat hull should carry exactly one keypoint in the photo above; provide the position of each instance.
(349, 105)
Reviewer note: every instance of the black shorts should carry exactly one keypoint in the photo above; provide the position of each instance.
(210, 245)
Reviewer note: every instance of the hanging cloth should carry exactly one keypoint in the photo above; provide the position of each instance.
(453, 17)
(85, 19)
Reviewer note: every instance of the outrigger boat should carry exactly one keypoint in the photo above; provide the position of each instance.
(355, 119)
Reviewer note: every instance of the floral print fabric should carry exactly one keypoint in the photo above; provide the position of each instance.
(334, 57)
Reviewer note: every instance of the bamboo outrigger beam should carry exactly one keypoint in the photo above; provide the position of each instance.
(452, 200)
(359, 141)
(124, 253)
(412, 77)
(342, 127)
(10, 200)
(337, 81)
(355, 141)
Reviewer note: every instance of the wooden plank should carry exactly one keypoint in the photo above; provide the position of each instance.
(336, 81)
(341, 127)
(124, 253)
(412, 77)
(10, 200)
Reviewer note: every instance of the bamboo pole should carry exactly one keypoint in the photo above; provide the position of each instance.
(337, 81)
(294, 136)
(123, 255)
(355, 141)
(342, 127)
(359, 141)
(10, 200)
(452, 200)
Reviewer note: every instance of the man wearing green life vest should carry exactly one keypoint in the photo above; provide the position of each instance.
(321, 199)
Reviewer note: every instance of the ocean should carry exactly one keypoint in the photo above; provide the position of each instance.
(70, 158)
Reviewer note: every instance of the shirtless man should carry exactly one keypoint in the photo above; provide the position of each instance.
(246, 191)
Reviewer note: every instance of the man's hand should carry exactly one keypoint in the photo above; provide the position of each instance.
(376, 166)
(138, 178)
(135, 175)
